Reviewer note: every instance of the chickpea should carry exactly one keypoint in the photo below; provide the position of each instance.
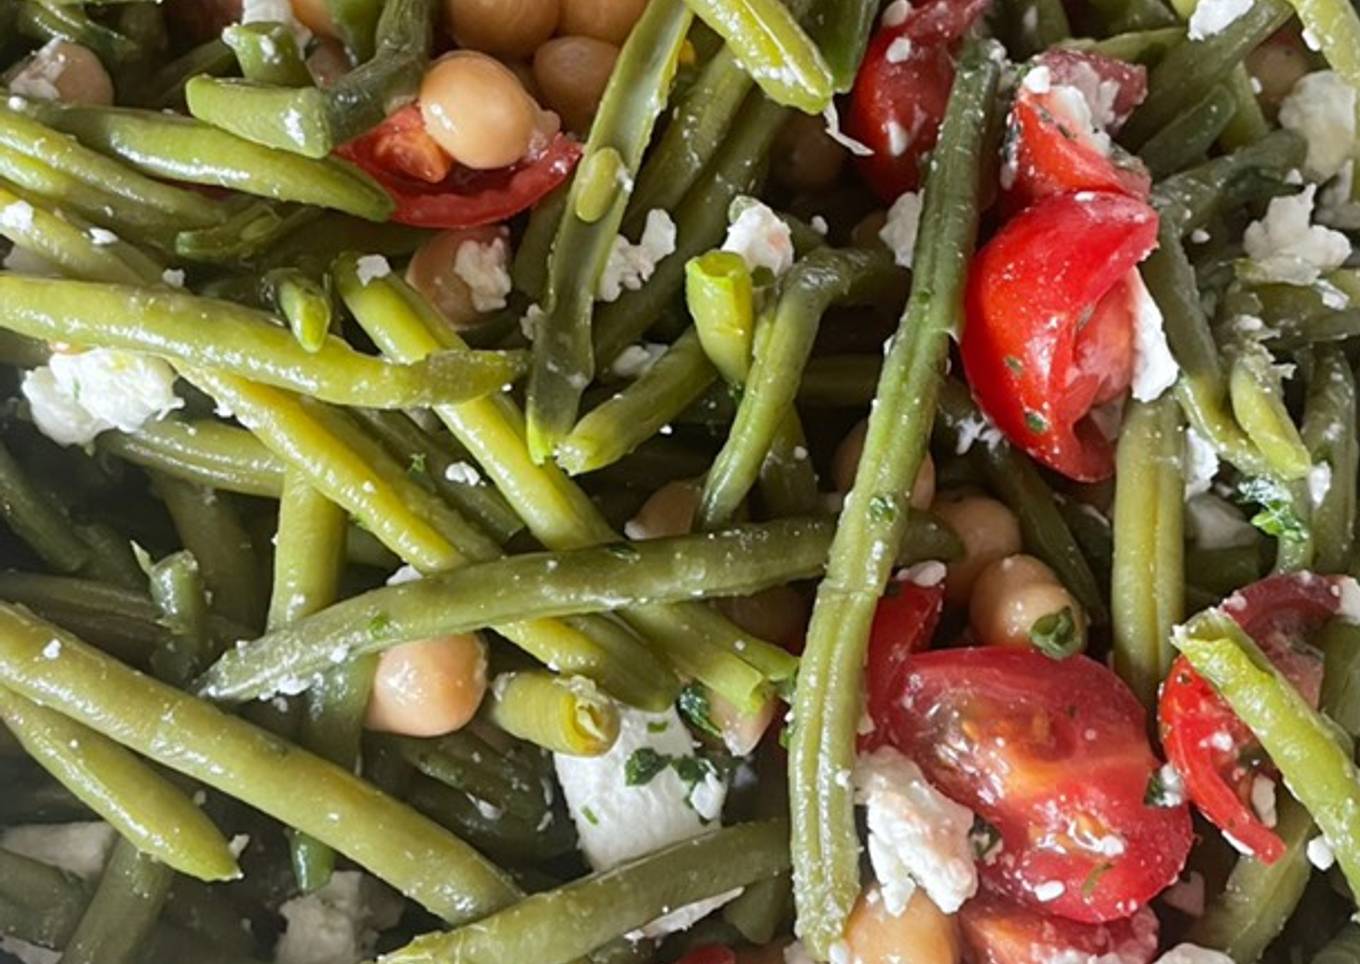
(1011, 595)
(846, 460)
(922, 933)
(315, 15)
(433, 273)
(1277, 67)
(669, 511)
(988, 530)
(328, 62)
(572, 72)
(476, 109)
(506, 28)
(428, 688)
(64, 71)
(778, 615)
(607, 20)
(804, 157)
(741, 731)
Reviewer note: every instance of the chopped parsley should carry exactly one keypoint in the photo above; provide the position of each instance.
(1057, 635)
(1276, 516)
(643, 766)
(417, 466)
(882, 508)
(693, 706)
(1036, 423)
(379, 625)
(589, 814)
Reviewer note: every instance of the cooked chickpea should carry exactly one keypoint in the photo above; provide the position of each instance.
(1277, 67)
(607, 20)
(741, 731)
(476, 109)
(506, 28)
(315, 15)
(64, 71)
(1014, 593)
(669, 511)
(804, 157)
(921, 934)
(988, 530)
(432, 272)
(572, 72)
(846, 460)
(778, 615)
(328, 62)
(429, 687)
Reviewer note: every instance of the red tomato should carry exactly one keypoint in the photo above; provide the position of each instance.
(1039, 347)
(394, 154)
(1055, 756)
(902, 89)
(1052, 147)
(710, 954)
(1215, 753)
(998, 931)
(904, 622)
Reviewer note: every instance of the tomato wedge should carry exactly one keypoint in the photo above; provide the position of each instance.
(904, 622)
(1040, 347)
(1216, 755)
(901, 91)
(999, 931)
(1058, 129)
(394, 155)
(1055, 756)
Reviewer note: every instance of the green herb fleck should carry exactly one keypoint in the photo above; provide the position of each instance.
(657, 726)
(1057, 635)
(1088, 886)
(1277, 516)
(1014, 364)
(417, 466)
(693, 705)
(882, 508)
(643, 766)
(589, 814)
(379, 625)
(1036, 423)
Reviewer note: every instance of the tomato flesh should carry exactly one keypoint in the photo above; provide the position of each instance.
(904, 622)
(998, 931)
(1055, 756)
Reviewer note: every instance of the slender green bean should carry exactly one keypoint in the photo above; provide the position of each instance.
(357, 21)
(721, 300)
(827, 704)
(206, 452)
(1340, 645)
(500, 834)
(841, 32)
(165, 87)
(560, 714)
(476, 769)
(304, 303)
(122, 914)
(1344, 948)
(1329, 431)
(70, 248)
(1296, 317)
(177, 590)
(45, 22)
(1137, 46)
(244, 235)
(267, 53)
(35, 518)
(1248, 123)
(1035, 25)
(1193, 198)
(38, 903)
(1257, 394)
(1122, 16)
(774, 50)
(1189, 135)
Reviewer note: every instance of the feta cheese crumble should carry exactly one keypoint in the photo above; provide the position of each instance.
(1154, 368)
(762, 238)
(75, 397)
(1286, 248)
(899, 231)
(371, 266)
(833, 131)
(339, 923)
(1212, 17)
(39, 75)
(485, 268)
(1320, 853)
(1201, 463)
(463, 473)
(79, 848)
(1263, 799)
(630, 265)
(899, 50)
(917, 835)
(634, 360)
(1321, 109)
(1193, 954)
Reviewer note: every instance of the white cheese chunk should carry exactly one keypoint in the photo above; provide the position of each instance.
(833, 131)
(75, 397)
(485, 269)
(630, 265)
(1321, 109)
(899, 231)
(80, 848)
(1212, 17)
(1201, 463)
(1286, 248)
(29, 953)
(761, 238)
(275, 11)
(339, 923)
(1212, 523)
(1320, 853)
(1154, 368)
(371, 266)
(1193, 954)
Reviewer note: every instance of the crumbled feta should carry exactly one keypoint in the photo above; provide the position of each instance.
(1173, 786)
(75, 397)
(636, 359)
(1186, 896)
(1349, 592)
(1199, 236)
(52, 650)
(79, 848)
(371, 266)
(17, 216)
(1320, 853)
(931, 572)
(529, 323)
(1212, 17)
(40, 74)
(977, 429)
(29, 953)
(485, 269)
(895, 14)
(1287, 249)
(1319, 481)
(818, 224)
(630, 265)
(1263, 799)
(25, 261)
(1049, 890)
(833, 131)
(337, 924)
(1321, 109)
(899, 50)
(174, 277)
(762, 238)
(1336, 206)
(899, 231)
(102, 237)
(1038, 80)
(1212, 523)
(1154, 368)
(463, 473)
(1201, 463)
(1193, 954)
(917, 835)
(406, 573)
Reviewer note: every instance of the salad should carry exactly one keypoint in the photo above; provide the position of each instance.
(700, 481)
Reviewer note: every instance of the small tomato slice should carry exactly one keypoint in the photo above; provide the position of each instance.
(1058, 129)
(901, 91)
(395, 155)
(904, 623)
(1039, 346)
(1214, 752)
(1054, 754)
(999, 931)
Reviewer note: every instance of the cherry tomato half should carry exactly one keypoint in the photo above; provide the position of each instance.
(1039, 347)
(1215, 753)
(397, 157)
(999, 931)
(1054, 755)
(904, 622)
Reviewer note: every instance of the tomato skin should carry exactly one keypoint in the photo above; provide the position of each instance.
(1055, 756)
(904, 622)
(998, 931)
(1215, 753)
(1027, 344)
(909, 95)
(710, 954)
(464, 198)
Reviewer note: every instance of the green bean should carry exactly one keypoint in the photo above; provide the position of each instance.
(408, 851)
(303, 303)
(477, 770)
(1300, 741)
(529, 269)
(559, 925)
(206, 452)
(1148, 579)
(123, 911)
(1193, 198)
(1329, 431)
(1035, 25)
(500, 834)
(165, 87)
(721, 299)
(1136, 46)
(788, 482)
(1257, 396)
(183, 149)
(1190, 70)
(35, 518)
(594, 579)
(243, 236)
(1220, 572)
(774, 50)
(1340, 645)
(111, 556)
(38, 903)
(1248, 123)
(268, 54)
(1343, 948)
(357, 21)
(641, 410)
(560, 714)
(1336, 29)
(759, 911)
(332, 234)
(841, 31)
(822, 279)
(563, 364)
(1187, 137)
(143, 806)
(1296, 317)
(1121, 16)
(171, 325)
(72, 250)
(310, 122)
(44, 22)
(178, 591)
(210, 528)
(827, 704)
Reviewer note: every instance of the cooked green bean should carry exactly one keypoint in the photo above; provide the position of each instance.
(1035, 25)
(123, 911)
(1248, 123)
(35, 517)
(243, 236)
(1335, 29)
(1344, 948)
(490, 830)
(38, 903)
(721, 299)
(1340, 645)
(165, 88)
(471, 766)
(1329, 421)
(72, 250)
(45, 22)
(774, 50)
(303, 303)
(1256, 391)
(177, 590)
(205, 452)
(1296, 317)
(565, 715)
(1193, 198)
(267, 53)
(841, 32)
(827, 703)
(1187, 137)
